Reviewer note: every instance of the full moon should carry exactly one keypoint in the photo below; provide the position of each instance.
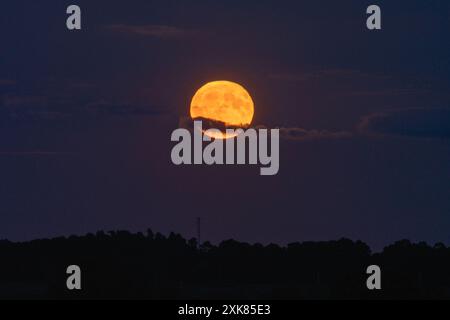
(223, 102)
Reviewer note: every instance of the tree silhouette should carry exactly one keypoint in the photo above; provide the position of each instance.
(120, 264)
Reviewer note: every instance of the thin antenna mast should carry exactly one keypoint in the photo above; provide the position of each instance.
(198, 231)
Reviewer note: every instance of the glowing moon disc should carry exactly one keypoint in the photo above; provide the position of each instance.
(223, 102)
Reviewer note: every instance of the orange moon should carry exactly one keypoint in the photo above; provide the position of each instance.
(223, 101)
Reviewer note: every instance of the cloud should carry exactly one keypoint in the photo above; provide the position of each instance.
(27, 107)
(35, 153)
(293, 133)
(301, 134)
(153, 31)
(413, 122)
(185, 123)
(7, 82)
(355, 83)
(32, 109)
(325, 74)
(431, 123)
(11, 101)
(106, 108)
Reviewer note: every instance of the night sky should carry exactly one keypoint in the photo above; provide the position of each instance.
(86, 118)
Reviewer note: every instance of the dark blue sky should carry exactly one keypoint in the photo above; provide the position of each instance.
(86, 117)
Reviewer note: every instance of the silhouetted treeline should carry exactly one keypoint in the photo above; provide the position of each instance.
(120, 264)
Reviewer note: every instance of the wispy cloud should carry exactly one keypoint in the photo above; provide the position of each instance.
(287, 133)
(7, 82)
(386, 92)
(36, 108)
(154, 31)
(412, 122)
(355, 83)
(301, 134)
(325, 74)
(106, 108)
(35, 153)
(22, 100)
